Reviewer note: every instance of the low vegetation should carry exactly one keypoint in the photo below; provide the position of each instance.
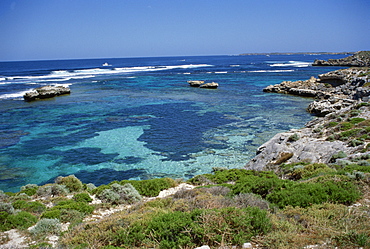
(304, 204)
(349, 128)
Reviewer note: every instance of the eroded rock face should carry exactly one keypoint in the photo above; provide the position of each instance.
(307, 148)
(46, 92)
(359, 59)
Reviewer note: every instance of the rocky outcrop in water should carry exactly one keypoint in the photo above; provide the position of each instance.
(212, 85)
(332, 90)
(343, 125)
(46, 92)
(359, 59)
(201, 84)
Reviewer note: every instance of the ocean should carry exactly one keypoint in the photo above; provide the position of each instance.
(138, 118)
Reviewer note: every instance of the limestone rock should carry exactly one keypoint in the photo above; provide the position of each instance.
(209, 85)
(195, 83)
(201, 84)
(46, 92)
(359, 59)
(336, 95)
(333, 90)
(307, 148)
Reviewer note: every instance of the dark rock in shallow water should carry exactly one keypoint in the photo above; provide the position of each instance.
(46, 92)
(359, 59)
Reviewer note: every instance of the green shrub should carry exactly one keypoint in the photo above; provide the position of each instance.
(362, 104)
(354, 167)
(52, 190)
(293, 138)
(355, 142)
(353, 238)
(52, 214)
(258, 185)
(190, 229)
(332, 124)
(354, 113)
(82, 197)
(98, 190)
(306, 194)
(356, 120)
(29, 189)
(32, 206)
(233, 175)
(72, 183)
(340, 154)
(151, 187)
(22, 220)
(71, 215)
(71, 204)
(5, 224)
(310, 171)
(346, 134)
(46, 227)
(345, 126)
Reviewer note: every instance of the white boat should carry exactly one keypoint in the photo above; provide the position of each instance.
(105, 64)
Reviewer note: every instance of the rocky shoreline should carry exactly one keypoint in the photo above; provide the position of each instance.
(341, 104)
(359, 59)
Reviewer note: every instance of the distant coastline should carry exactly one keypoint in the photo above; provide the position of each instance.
(288, 53)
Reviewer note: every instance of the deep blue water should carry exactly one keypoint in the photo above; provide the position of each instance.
(137, 118)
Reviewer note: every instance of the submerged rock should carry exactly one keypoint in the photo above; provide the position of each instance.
(46, 92)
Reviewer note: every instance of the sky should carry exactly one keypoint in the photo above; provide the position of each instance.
(72, 29)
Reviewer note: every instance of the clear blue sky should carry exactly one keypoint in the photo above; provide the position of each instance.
(62, 29)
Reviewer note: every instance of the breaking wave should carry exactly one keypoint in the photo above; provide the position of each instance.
(292, 64)
(63, 75)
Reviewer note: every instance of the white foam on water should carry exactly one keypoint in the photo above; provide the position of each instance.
(292, 64)
(271, 71)
(63, 75)
(17, 95)
(223, 72)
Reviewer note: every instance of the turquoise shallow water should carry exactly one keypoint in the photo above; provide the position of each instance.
(139, 119)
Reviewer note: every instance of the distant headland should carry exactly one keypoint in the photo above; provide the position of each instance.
(291, 53)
